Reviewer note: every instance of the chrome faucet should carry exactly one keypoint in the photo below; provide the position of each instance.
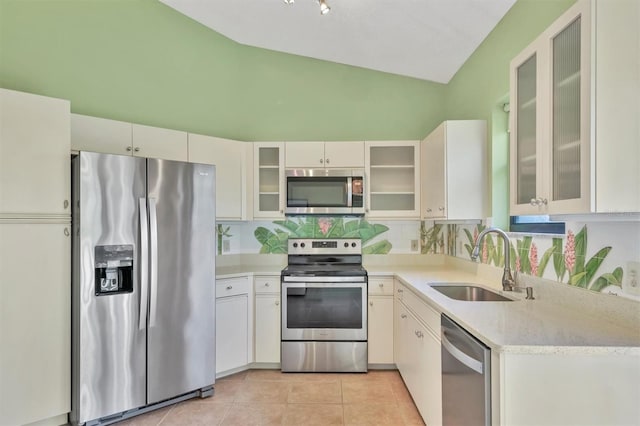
(508, 282)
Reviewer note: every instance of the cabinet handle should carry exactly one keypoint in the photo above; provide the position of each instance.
(381, 285)
(539, 201)
(399, 290)
(66, 232)
(321, 161)
(543, 201)
(136, 149)
(371, 303)
(419, 334)
(128, 149)
(403, 316)
(277, 302)
(428, 210)
(441, 209)
(326, 161)
(65, 203)
(266, 284)
(229, 287)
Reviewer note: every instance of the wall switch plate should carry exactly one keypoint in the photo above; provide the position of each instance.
(414, 245)
(631, 280)
(226, 246)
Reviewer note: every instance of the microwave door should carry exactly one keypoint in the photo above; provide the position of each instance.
(350, 192)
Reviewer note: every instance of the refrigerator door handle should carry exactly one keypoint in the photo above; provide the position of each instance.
(153, 263)
(144, 262)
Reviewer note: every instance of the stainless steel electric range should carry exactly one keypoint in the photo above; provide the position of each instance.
(324, 307)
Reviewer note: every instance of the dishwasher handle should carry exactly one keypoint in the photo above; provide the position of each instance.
(465, 359)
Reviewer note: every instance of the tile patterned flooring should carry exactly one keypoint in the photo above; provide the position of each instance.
(269, 397)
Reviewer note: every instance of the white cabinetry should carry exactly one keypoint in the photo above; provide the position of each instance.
(393, 179)
(454, 164)
(35, 259)
(231, 159)
(232, 324)
(324, 154)
(268, 186)
(380, 330)
(417, 352)
(575, 127)
(267, 319)
(118, 137)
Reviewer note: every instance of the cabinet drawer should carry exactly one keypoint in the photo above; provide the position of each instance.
(267, 284)
(232, 286)
(380, 285)
(425, 313)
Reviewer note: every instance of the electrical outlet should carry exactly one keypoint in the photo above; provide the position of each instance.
(414, 245)
(226, 246)
(631, 281)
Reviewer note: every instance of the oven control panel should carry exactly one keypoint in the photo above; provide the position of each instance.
(324, 246)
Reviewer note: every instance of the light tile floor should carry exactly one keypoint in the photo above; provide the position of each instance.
(269, 397)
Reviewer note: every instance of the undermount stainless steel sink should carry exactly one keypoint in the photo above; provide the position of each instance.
(469, 293)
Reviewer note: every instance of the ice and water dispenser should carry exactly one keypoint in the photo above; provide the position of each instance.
(114, 269)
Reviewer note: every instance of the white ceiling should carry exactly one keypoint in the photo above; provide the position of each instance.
(425, 39)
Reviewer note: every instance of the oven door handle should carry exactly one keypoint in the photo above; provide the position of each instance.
(325, 279)
(325, 285)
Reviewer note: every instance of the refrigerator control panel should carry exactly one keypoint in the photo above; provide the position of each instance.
(114, 269)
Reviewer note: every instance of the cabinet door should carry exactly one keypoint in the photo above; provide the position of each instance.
(380, 330)
(231, 332)
(400, 334)
(527, 106)
(96, 134)
(268, 187)
(155, 142)
(304, 155)
(393, 172)
(344, 154)
(230, 159)
(35, 318)
(35, 164)
(267, 328)
(432, 377)
(433, 174)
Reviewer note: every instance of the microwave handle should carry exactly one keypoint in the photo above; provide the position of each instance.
(349, 191)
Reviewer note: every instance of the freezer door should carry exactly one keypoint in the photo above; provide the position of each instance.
(108, 362)
(181, 341)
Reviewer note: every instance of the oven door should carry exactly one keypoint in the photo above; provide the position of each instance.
(334, 311)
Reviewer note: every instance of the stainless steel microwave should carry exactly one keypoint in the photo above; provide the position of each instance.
(324, 191)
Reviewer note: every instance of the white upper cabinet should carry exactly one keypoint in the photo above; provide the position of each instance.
(575, 109)
(392, 179)
(453, 165)
(320, 155)
(118, 137)
(156, 142)
(231, 160)
(35, 169)
(96, 134)
(268, 180)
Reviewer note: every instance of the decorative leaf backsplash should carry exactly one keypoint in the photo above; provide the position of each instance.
(275, 241)
(567, 257)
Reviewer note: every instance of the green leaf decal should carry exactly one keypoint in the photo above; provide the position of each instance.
(581, 249)
(558, 258)
(605, 280)
(381, 247)
(594, 263)
(262, 234)
(545, 260)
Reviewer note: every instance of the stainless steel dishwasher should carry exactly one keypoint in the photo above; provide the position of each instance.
(466, 377)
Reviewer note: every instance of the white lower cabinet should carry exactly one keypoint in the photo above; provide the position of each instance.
(380, 322)
(232, 324)
(417, 352)
(267, 318)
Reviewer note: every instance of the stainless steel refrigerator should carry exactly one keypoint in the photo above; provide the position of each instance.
(143, 283)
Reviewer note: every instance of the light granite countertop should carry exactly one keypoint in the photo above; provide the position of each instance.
(520, 326)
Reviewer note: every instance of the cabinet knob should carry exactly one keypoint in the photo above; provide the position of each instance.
(66, 232)
(403, 316)
(277, 302)
(128, 149)
(321, 161)
(266, 284)
(65, 203)
(419, 333)
(381, 285)
(136, 149)
(399, 290)
(441, 209)
(428, 210)
(229, 287)
(326, 161)
(371, 303)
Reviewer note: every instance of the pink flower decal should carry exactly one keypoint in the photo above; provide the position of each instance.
(324, 223)
(485, 251)
(533, 259)
(518, 268)
(570, 252)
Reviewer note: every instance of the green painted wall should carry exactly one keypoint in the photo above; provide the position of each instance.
(141, 61)
(481, 86)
